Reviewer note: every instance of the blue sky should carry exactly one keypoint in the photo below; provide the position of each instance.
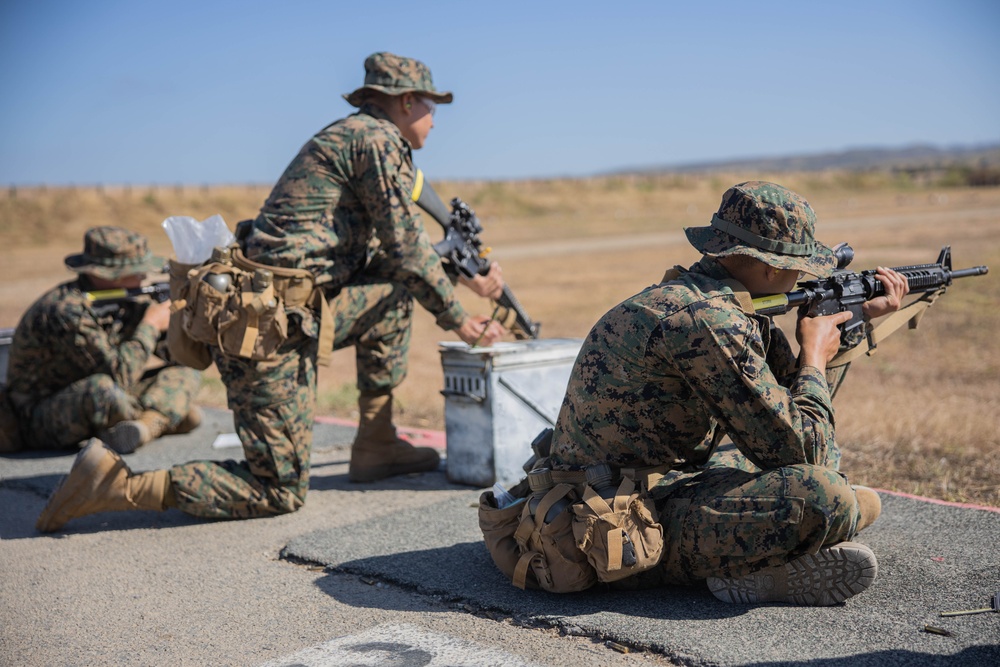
(147, 91)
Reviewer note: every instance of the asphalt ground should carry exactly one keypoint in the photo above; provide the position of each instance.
(396, 573)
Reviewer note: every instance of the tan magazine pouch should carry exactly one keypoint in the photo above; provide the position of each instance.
(183, 348)
(242, 321)
(549, 554)
(621, 538)
(253, 323)
(297, 289)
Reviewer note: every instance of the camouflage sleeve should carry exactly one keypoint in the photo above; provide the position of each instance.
(720, 352)
(384, 189)
(124, 362)
(785, 364)
(780, 358)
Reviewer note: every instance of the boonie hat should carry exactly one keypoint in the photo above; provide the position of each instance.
(768, 222)
(113, 252)
(395, 75)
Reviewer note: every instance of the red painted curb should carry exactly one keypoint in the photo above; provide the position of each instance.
(935, 501)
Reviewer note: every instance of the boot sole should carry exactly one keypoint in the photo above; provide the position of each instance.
(84, 468)
(124, 437)
(825, 578)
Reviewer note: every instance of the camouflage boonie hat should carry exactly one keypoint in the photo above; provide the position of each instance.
(395, 75)
(113, 252)
(768, 222)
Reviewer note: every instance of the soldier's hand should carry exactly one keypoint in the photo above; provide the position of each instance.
(819, 338)
(480, 331)
(489, 286)
(896, 287)
(157, 315)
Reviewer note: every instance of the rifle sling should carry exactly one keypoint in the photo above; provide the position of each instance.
(908, 314)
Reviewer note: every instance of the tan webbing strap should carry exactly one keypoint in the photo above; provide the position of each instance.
(616, 536)
(548, 500)
(625, 491)
(524, 529)
(601, 509)
(253, 303)
(646, 477)
(910, 314)
(520, 578)
(318, 303)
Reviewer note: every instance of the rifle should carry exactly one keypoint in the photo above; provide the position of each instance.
(848, 291)
(462, 251)
(159, 292)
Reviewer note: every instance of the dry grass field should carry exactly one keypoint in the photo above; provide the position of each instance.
(921, 416)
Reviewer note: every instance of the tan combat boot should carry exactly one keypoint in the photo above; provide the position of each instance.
(191, 421)
(377, 451)
(869, 506)
(99, 481)
(828, 577)
(127, 436)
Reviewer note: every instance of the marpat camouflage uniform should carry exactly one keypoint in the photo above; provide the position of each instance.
(342, 209)
(76, 369)
(666, 374)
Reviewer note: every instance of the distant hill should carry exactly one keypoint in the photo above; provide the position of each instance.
(919, 157)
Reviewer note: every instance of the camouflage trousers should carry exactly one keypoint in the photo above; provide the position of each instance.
(88, 406)
(375, 319)
(732, 518)
(273, 404)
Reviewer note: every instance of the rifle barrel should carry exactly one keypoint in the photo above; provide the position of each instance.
(971, 271)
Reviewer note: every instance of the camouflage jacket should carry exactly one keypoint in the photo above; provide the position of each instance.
(665, 374)
(62, 338)
(342, 209)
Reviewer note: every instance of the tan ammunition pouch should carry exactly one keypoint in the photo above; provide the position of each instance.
(549, 553)
(620, 535)
(498, 526)
(585, 543)
(244, 323)
(183, 348)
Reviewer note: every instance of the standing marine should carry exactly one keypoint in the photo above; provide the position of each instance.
(343, 214)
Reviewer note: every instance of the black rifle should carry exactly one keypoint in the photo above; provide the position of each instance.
(848, 290)
(462, 251)
(159, 292)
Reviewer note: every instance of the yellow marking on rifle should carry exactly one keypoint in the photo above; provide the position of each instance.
(104, 295)
(773, 301)
(485, 251)
(418, 185)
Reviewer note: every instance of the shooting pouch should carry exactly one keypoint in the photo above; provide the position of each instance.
(620, 536)
(498, 526)
(183, 348)
(220, 307)
(549, 553)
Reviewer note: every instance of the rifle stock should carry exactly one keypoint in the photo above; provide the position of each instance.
(159, 292)
(462, 250)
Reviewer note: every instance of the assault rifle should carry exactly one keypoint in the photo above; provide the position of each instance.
(159, 292)
(848, 291)
(462, 250)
